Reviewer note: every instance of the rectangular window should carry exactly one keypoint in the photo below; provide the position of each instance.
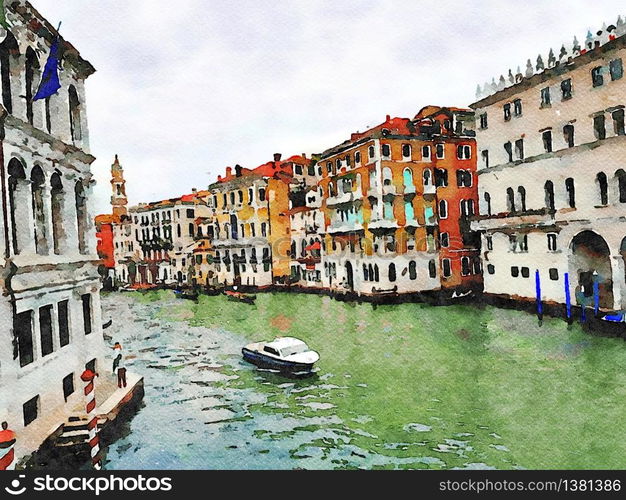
(464, 152)
(568, 135)
(525, 272)
(616, 69)
(190, 213)
(618, 121)
(552, 242)
(491, 269)
(441, 177)
(523, 243)
(45, 330)
(508, 148)
(507, 111)
(447, 268)
(386, 151)
(599, 127)
(444, 238)
(426, 153)
(406, 151)
(547, 141)
(483, 121)
(489, 242)
(31, 410)
(554, 274)
(86, 301)
(68, 386)
(440, 151)
(23, 331)
(545, 97)
(517, 107)
(298, 169)
(432, 269)
(514, 271)
(519, 149)
(357, 158)
(596, 76)
(566, 89)
(485, 156)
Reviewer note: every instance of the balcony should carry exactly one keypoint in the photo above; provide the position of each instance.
(340, 199)
(344, 227)
(383, 224)
(390, 189)
(430, 189)
(541, 217)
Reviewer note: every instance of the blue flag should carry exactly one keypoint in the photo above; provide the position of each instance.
(50, 79)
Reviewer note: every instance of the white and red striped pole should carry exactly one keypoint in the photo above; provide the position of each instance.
(7, 452)
(90, 398)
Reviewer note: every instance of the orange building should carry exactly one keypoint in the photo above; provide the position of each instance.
(395, 200)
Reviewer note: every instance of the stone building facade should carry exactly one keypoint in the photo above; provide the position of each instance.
(50, 317)
(552, 176)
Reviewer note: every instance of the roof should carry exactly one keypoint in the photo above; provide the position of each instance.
(106, 219)
(283, 342)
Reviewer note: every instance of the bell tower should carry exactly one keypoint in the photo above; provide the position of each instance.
(119, 201)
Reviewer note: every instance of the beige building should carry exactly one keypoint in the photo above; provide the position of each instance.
(552, 176)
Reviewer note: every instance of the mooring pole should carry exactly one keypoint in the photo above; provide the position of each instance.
(90, 398)
(596, 293)
(568, 299)
(538, 292)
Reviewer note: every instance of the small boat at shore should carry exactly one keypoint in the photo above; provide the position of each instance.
(240, 297)
(186, 295)
(107, 324)
(286, 354)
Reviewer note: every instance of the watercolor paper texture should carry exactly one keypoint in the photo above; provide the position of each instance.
(244, 237)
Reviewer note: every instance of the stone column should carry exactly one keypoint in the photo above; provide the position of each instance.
(618, 270)
(46, 194)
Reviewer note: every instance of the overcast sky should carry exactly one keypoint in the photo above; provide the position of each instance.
(184, 88)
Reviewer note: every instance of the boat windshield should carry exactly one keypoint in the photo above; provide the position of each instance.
(293, 349)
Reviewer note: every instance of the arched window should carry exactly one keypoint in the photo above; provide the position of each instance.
(57, 201)
(412, 270)
(19, 201)
(570, 189)
(428, 177)
(407, 176)
(376, 273)
(487, 198)
(465, 266)
(387, 176)
(366, 274)
(620, 176)
(510, 200)
(75, 112)
(262, 194)
(331, 189)
(38, 182)
(548, 189)
(32, 70)
(81, 216)
(603, 188)
(443, 209)
(9, 51)
(521, 191)
(392, 272)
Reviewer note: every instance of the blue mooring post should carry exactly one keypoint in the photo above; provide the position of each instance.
(568, 298)
(596, 293)
(538, 291)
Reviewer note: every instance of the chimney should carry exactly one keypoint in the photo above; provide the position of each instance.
(277, 157)
(219, 177)
(229, 171)
(304, 156)
(238, 170)
(388, 117)
(194, 190)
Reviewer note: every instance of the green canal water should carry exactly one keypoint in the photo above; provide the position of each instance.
(404, 386)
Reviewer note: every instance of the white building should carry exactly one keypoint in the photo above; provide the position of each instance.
(552, 176)
(50, 318)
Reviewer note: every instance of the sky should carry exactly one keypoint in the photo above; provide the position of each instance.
(185, 88)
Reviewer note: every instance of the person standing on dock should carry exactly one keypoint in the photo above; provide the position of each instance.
(7, 448)
(120, 368)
